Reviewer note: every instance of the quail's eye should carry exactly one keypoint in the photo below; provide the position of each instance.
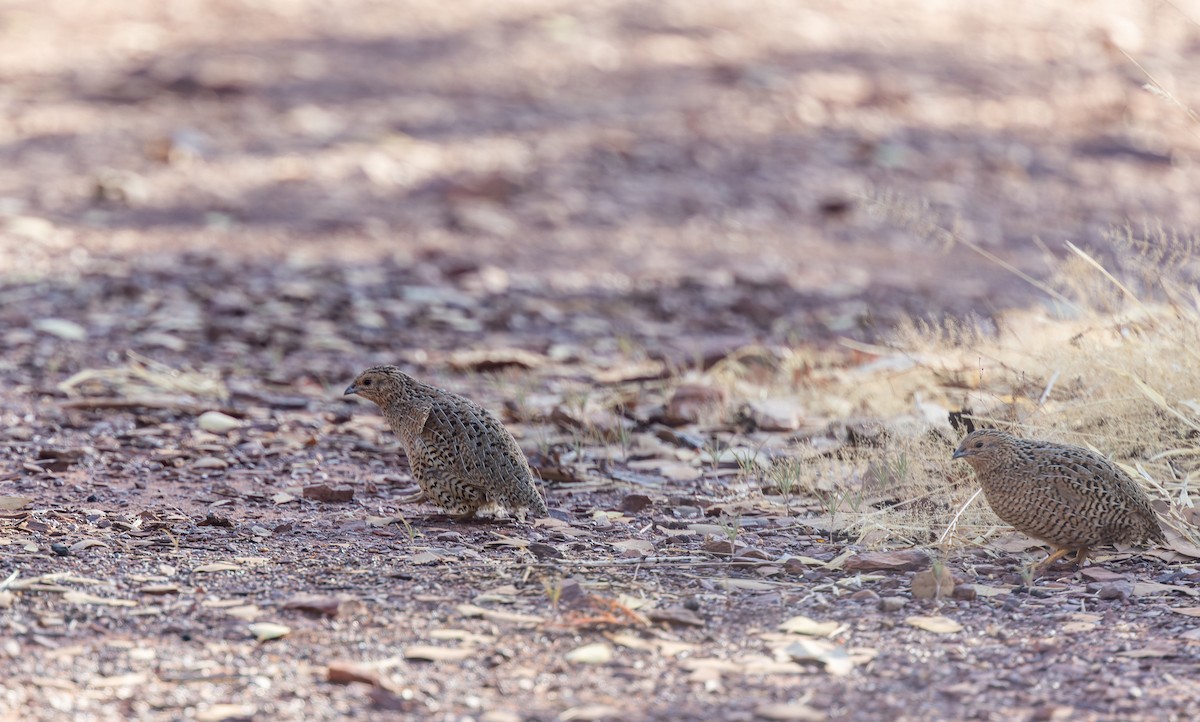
(366, 382)
(978, 444)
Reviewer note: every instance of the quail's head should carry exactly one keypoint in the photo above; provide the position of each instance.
(983, 448)
(376, 383)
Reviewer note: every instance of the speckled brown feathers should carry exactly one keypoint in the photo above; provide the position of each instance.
(1064, 495)
(461, 456)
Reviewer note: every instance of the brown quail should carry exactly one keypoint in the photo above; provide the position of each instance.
(461, 456)
(1066, 496)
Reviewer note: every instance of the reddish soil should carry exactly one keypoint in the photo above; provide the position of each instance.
(278, 194)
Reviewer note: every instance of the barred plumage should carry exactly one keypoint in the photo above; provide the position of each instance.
(461, 456)
(1066, 496)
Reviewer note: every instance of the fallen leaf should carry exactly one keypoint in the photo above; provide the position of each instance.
(1142, 589)
(470, 610)
(933, 584)
(246, 612)
(347, 672)
(1149, 653)
(265, 631)
(217, 567)
(430, 653)
(833, 657)
(938, 625)
(85, 598)
(327, 493)
(12, 503)
(210, 462)
(790, 712)
(752, 585)
(217, 422)
(681, 616)
(811, 627)
(592, 713)
(1188, 611)
(1100, 574)
(159, 589)
(62, 328)
(641, 546)
(326, 605)
(904, 560)
(86, 543)
(595, 653)
(132, 679)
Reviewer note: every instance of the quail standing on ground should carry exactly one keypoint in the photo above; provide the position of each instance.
(1066, 496)
(461, 456)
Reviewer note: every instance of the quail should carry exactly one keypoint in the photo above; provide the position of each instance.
(461, 456)
(1066, 496)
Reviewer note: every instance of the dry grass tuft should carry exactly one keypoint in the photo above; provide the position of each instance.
(141, 378)
(1109, 362)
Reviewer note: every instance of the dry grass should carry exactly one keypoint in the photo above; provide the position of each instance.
(1110, 362)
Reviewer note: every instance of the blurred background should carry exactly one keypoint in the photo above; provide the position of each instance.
(220, 171)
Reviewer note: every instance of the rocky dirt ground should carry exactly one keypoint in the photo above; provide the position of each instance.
(638, 231)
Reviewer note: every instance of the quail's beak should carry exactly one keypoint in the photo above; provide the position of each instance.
(958, 453)
(350, 390)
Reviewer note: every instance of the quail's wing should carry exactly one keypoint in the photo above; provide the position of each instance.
(471, 441)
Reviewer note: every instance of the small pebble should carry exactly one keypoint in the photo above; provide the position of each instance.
(892, 604)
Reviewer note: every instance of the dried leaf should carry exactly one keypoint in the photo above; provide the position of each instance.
(933, 584)
(641, 546)
(246, 612)
(325, 492)
(811, 627)
(752, 585)
(470, 610)
(265, 631)
(938, 625)
(86, 543)
(328, 606)
(210, 462)
(347, 672)
(85, 598)
(12, 503)
(431, 653)
(904, 560)
(1143, 589)
(595, 653)
(62, 328)
(790, 712)
(833, 657)
(217, 422)
(217, 567)
(1149, 653)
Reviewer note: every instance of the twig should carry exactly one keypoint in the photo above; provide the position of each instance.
(1049, 387)
(954, 522)
(637, 561)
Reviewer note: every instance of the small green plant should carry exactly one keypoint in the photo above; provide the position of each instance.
(785, 474)
(732, 526)
(553, 586)
(714, 448)
(409, 529)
